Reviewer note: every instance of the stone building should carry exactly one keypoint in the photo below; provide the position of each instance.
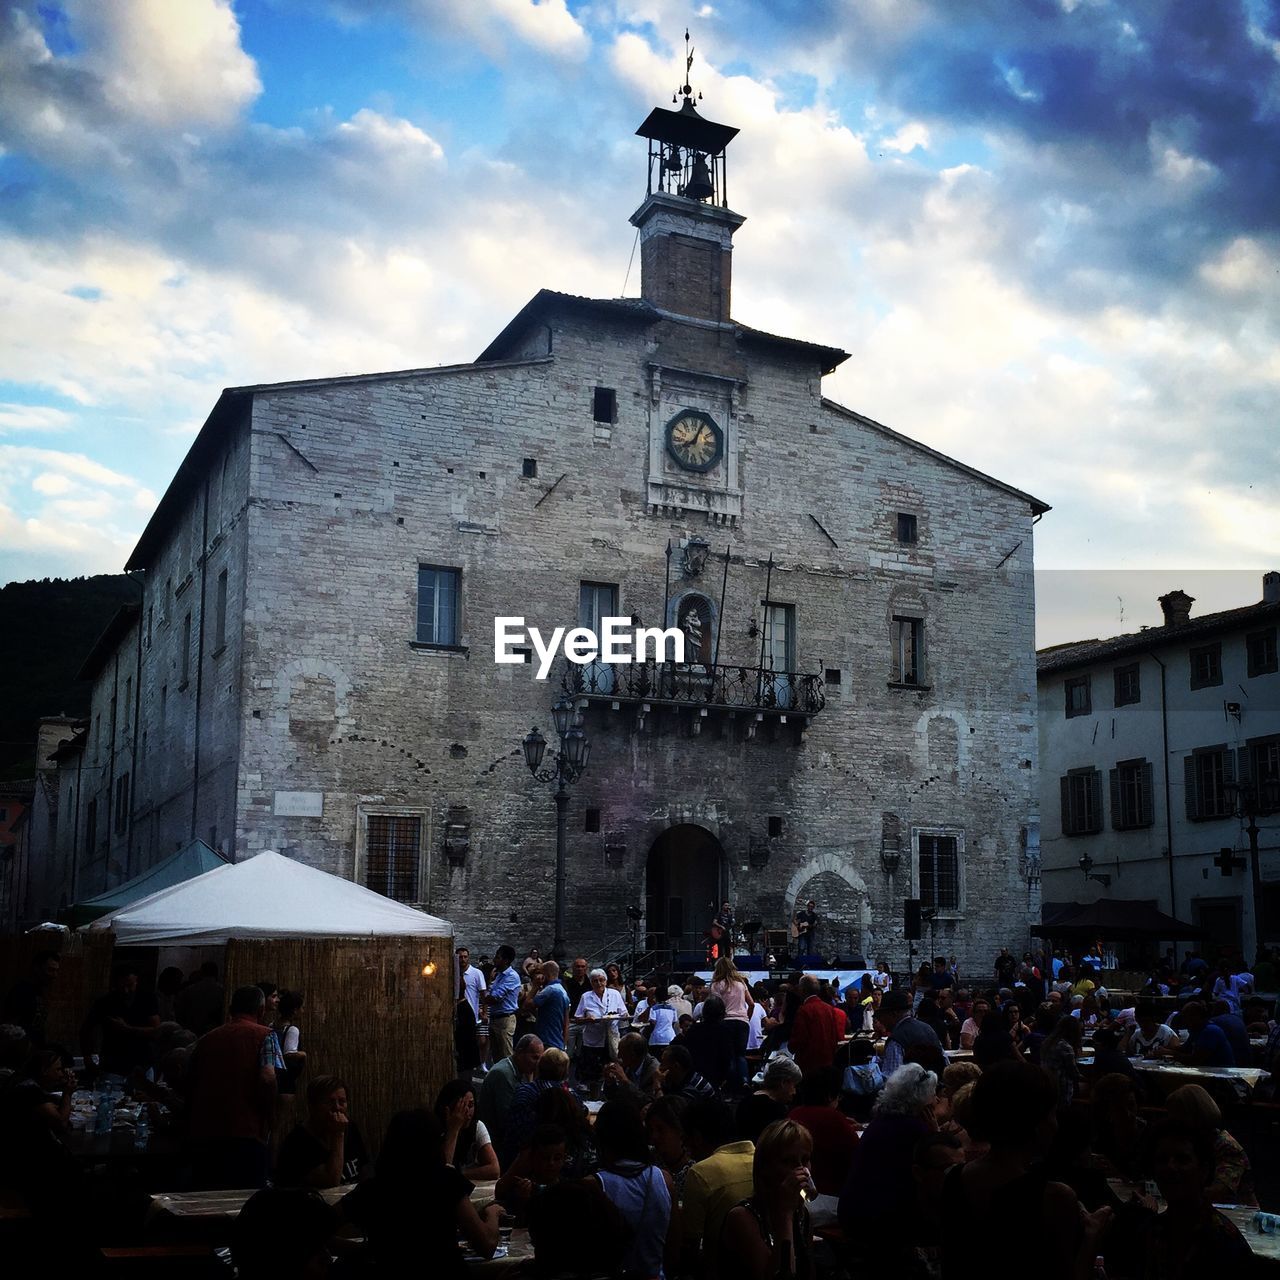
(1159, 749)
(311, 664)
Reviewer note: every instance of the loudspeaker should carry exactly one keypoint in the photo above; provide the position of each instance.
(911, 919)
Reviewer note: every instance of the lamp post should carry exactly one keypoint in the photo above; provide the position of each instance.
(1246, 796)
(568, 765)
(1086, 865)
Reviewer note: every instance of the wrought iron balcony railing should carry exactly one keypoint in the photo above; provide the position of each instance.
(705, 684)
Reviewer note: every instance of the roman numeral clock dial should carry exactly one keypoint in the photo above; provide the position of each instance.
(694, 440)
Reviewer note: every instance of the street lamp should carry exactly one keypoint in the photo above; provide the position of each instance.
(567, 765)
(1247, 800)
(1086, 865)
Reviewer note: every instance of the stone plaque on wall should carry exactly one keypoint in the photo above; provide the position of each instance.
(299, 804)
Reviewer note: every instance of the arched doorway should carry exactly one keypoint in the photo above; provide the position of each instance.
(840, 899)
(683, 887)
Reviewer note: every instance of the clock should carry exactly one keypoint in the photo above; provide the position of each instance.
(694, 440)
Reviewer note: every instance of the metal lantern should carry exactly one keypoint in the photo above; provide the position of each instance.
(562, 715)
(535, 746)
(577, 750)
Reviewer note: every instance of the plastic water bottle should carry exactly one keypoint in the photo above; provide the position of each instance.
(142, 1131)
(103, 1117)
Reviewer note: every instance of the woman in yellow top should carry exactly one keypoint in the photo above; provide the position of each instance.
(1085, 985)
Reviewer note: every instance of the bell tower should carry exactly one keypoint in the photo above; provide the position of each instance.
(685, 223)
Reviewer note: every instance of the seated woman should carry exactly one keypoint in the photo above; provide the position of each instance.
(1013, 1110)
(415, 1206)
(282, 1233)
(834, 1135)
(564, 1111)
(1190, 1238)
(327, 1149)
(1232, 1179)
(770, 1102)
(664, 1124)
(547, 1152)
(467, 1145)
(769, 1235)
(575, 1231)
(640, 1190)
(1118, 1130)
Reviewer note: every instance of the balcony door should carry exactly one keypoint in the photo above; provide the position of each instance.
(779, 654)
(597, 601)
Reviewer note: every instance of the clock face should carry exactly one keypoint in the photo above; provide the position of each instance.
(694, 440)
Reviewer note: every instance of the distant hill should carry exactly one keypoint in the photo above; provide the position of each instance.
(46, 630)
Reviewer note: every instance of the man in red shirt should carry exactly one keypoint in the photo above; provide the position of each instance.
(231, 1084)
(818, 1029)
(834, 1135)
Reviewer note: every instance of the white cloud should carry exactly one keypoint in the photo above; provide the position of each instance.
(167, 65)
(908, 138)
(32, 417)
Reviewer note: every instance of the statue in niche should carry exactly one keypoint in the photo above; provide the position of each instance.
(691, 622)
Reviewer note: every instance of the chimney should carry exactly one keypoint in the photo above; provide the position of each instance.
(1177, 608)
(1271, 588)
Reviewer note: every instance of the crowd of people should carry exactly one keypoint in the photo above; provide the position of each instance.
(718, 1130)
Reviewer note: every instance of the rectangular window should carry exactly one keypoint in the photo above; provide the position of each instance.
(91, 828)
(1260, 772)
(908, 651)
(908, 530)
(1261, 650)
(220, 613)
(1131, 795)
(529, 468)
(1209, 775)
(939, 873)
(779, 636)
(596, 601)
(591, 820)
(1079, 696)
(1206, 666)
(1128, 685)
(439, 590)
(150, 619)
(1081, 802)
(186, 651)
(120, 806)
(392, 854)
(604, 404)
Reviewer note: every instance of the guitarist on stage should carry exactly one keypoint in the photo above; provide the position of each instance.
(805, 930)
(720, 935)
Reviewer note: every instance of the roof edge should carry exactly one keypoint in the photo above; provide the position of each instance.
(1036, 505)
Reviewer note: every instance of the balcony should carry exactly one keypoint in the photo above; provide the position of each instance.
(739, 699)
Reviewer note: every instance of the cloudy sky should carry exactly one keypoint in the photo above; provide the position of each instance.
(1047, 230)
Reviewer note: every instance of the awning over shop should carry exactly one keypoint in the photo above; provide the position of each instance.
(1112, 918)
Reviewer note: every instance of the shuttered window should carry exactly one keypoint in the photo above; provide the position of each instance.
(939, 873)
(1079, 697)
(1260, 647)
(1209, 772)
(1260, 774)
(1206, 666)
(1081, 791)
(1131, 795)
(392, 849)
(1128, 685)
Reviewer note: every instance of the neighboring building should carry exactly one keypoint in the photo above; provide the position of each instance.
(15, 801)
(310, 668)
(1155, 748)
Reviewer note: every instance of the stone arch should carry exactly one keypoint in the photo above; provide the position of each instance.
(293, 677)
(930, 754)
(843, 903)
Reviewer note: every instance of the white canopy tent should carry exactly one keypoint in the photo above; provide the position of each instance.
(266, 896)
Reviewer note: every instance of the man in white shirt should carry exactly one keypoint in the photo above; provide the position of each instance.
(1147, 1033)
(468, 987)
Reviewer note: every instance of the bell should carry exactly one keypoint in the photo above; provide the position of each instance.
(699, 185)
(674, 162)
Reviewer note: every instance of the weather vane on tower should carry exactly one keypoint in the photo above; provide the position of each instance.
(686, 89)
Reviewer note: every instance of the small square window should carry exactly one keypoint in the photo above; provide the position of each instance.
(1206, 666)
(833, 675)
(1079, 696)
(529, 468)
(591, 820)
(1128, 685)
(605, 405)
(1261, 650)
(907, 529)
